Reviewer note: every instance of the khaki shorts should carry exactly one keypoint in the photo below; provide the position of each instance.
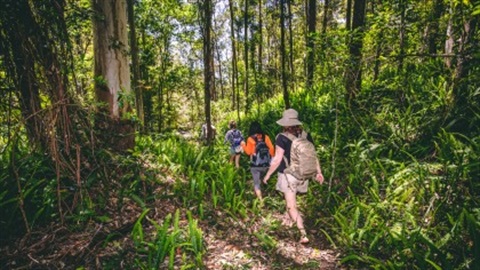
(287, 182)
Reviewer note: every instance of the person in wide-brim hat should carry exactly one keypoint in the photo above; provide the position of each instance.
(289, 119)
(287, 185)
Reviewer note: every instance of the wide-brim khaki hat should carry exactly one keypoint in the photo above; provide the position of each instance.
(289, 119)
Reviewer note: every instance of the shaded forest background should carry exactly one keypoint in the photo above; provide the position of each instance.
(102, 103)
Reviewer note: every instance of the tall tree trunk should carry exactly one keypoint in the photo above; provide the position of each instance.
(465, 60)
(245, 36)
(208, 64)
(234, 56)
(112, 72)
(402, 36)
(378, 50)
(145, 77)
(354, 70)
(135, 65)
(217, 53)
(348, 15)
(432, 30)
(283, 54)
(162, 91)
(326, 10)
(220, 71)
(449, 41)
(290, 42)
(260, 39)
(311, 10)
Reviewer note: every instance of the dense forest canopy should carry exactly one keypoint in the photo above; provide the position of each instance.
(102, 104)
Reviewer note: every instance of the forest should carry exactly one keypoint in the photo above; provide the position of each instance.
(103, 164)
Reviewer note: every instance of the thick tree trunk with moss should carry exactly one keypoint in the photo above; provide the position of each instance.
(112, 74)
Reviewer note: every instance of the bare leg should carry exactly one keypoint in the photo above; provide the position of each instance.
(292, 209)
(237, 161)
(258, 193)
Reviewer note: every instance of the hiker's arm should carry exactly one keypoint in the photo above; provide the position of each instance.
(319, 175)
(249, 147)
(277, 159)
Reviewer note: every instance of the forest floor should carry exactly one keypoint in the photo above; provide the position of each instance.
(231, 243)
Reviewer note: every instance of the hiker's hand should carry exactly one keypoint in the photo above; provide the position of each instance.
(320, 178)
(265, 179)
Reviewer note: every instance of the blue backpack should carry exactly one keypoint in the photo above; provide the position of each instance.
(237, 139)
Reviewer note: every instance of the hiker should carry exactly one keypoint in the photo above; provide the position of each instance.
(287, 183)
(234, 138)
(203, 133)
(260, 149)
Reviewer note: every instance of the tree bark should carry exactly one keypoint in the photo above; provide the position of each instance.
(311, 8)
(245, 36)
(283, 55)
(208, 64)
(260, 35)
(290, 43)
(112, 73)
(326, 10)
(135, 65)
(234, 57)
(432, 29)
(354, 70)
(348, 15)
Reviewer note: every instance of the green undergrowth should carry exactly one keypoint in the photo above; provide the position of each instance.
(401, 185)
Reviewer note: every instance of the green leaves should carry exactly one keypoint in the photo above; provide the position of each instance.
(167, 241)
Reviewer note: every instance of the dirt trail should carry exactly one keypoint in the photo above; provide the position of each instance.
(258, 242)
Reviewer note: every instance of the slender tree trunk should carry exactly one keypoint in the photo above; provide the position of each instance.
(401, 37)
(283, 54)
(449, 42)
(148, 95)
(311, 8)
(220, 71)
(348, 15)
(432, 30)
(354, 70)
(290, 42)
(234, 56)
(163, 103)
(135, 65)
(260, 35)
(326, 10)
(219, 61)
(245, 36)
(208, 64)
(378, 49)
(465, 61)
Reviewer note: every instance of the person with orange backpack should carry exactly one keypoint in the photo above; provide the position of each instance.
(260, 149)
(297, 162)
